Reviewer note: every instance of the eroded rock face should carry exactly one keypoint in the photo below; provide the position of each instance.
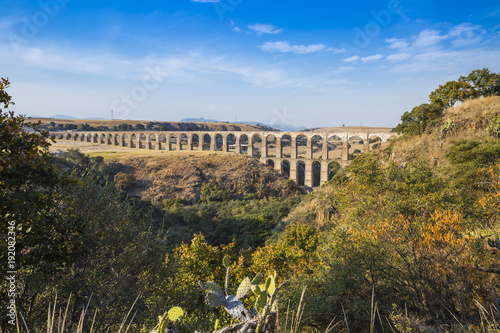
(169, 177)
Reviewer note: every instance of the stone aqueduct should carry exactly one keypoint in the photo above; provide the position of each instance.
(304, 157)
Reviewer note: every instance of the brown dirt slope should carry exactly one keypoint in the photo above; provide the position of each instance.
(168, 177)
(469, 121)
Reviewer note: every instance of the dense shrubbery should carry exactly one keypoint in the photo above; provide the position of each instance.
(386, 239)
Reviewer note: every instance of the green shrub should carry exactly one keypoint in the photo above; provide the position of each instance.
(493, 129)
(479, 153)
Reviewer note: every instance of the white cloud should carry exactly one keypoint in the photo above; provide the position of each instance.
(494, 13)
(236, 29)
(397, 43)
(286, 47)
(336, 51)
(264, 28)
(351, 59)
(428, 38)
(398, 57)
(465, 34)
(441, 61)
(345, 68)
(372, 58)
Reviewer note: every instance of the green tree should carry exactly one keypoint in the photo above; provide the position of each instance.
(416, 121)
(123, 127)
(5, 99)
(483, 81)
(451, 92)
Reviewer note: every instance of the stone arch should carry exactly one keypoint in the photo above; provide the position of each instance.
(152, 141)
(392, 137)
(117, 139)
(110, 139)
(301, 173)
(244, 144)
(96, 138)
(316, 174)
(143, 141)
(133, 140)
(285, 168)
(172, 142)
(195, 142)
(335, 146)
(271, 146)
(206, 142)
(270, 163)
(75, 137)
(68, 136)
(286, 146)
(317, 147)
(301, 144)
(333, 169)
(162, 141)
(219, 142)
(375, 142)
(183, 142)
(231, 143)
(256, 145)
(355, 146)
(125, 140)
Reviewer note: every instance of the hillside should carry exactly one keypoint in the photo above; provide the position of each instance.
(170, 177)
(167, 125)
(469, 121)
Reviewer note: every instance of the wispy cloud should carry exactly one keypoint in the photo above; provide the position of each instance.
(398, 57)
(189, 67)
(286, 47)
(397, 43)
(261, 29)
(446, 60)
(372, 58)
(494, 13)
(428, 38)
(351, 59)
(432, 45)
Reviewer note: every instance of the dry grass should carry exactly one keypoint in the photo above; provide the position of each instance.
(470, 121)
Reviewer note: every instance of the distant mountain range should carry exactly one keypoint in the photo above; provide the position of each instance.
(281, 127)
(63, 116)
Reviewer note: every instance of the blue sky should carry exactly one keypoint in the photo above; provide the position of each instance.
(301, 63)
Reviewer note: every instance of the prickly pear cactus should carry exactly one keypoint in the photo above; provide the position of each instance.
(244, 288)
(259, 319)
(175, 313)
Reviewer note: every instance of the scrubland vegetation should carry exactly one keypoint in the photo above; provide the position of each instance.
(404, 239)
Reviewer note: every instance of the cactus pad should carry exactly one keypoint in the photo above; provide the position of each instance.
(215, 299)
(226, 261)
(244, 288)
(261, 301)
(175, 313)
(257, 279)
(211, 286)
